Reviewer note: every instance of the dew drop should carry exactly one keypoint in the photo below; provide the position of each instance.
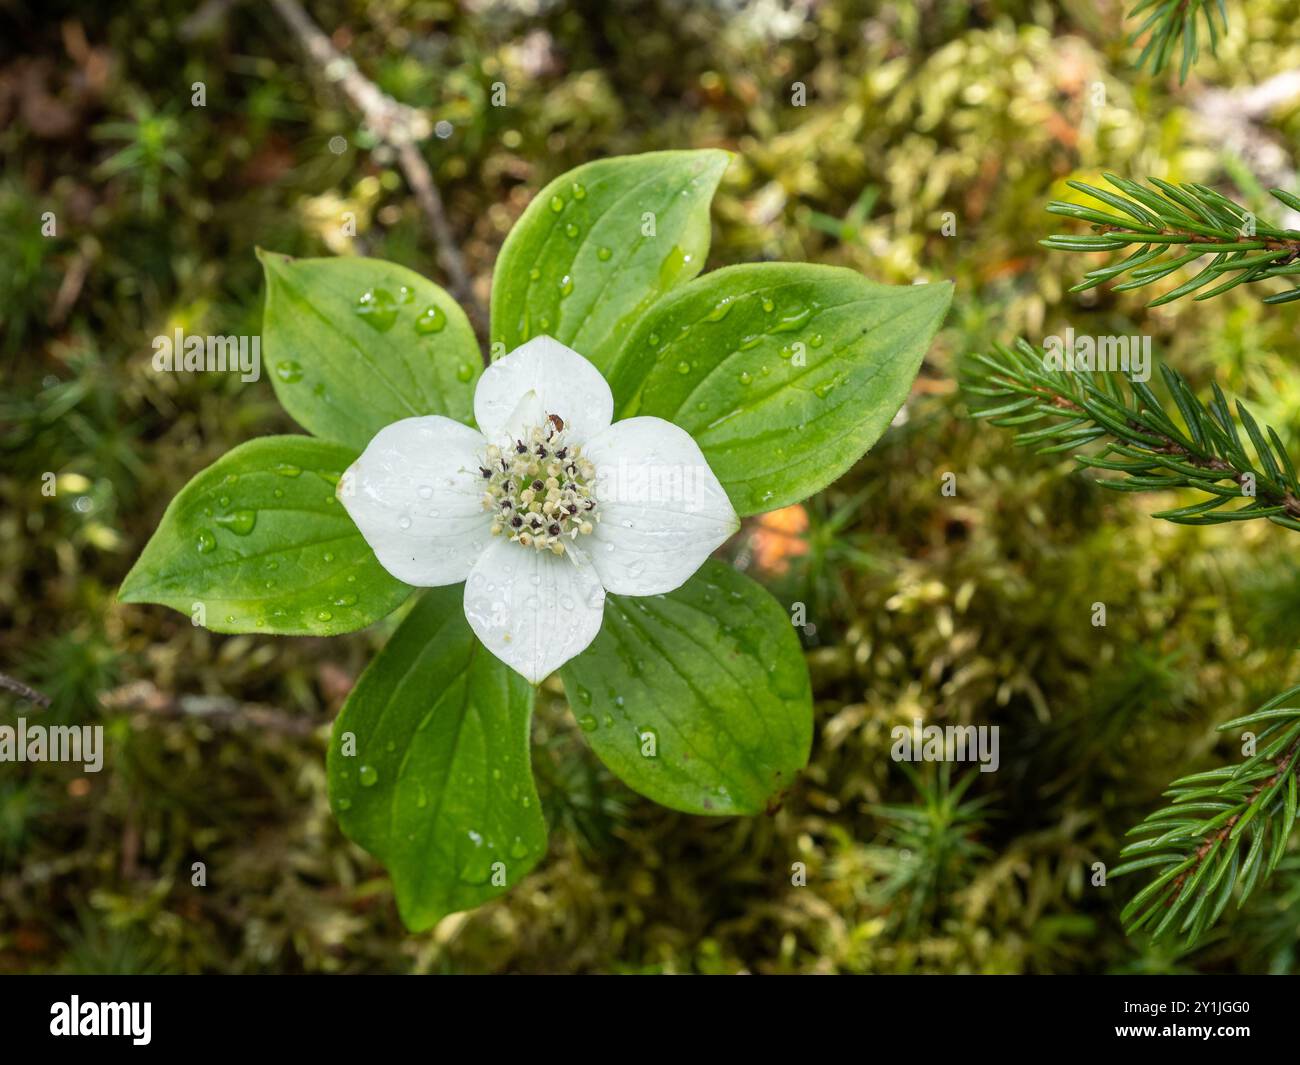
(745, 378)
(368, 776)
(579, 191)
(239, 522)
(205, 541)
(603, 254)
(794, 321)
(464, 372)
(433, 319)
(587, 723)
(557, 204)
(324, 615)
(720, 310)
(566, 286)
(288, 371)
(346, 599)
(683, 367)
(571, 231)
(377, 309)
(287, 469)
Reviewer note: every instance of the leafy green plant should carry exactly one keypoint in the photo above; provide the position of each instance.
(549, 535)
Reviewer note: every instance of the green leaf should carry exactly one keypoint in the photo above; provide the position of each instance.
(698, 699)
(354, 344)
(439, 786)
(260, 543)
(784, 373)
(599, 245)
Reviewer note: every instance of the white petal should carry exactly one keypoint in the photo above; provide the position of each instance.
(565, 384)
(416, 495)
(533, 609)
(662, 511)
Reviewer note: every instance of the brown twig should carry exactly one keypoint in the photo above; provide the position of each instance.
(143, 695)
(401, 128)
(23, 691)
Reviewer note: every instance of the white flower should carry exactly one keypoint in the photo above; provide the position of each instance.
(542, 509)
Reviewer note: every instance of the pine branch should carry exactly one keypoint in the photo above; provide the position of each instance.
(1174, 22)
(1224, 829)
(1174, 228)
(1203, 449)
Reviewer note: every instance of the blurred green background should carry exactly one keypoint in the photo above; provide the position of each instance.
(974, 609)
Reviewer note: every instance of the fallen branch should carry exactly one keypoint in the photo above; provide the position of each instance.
(222, 710)
(20, 689)
(400, 127)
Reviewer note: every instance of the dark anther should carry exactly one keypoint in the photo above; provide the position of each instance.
(553, 529)
(516, 522)
(538, 486)
(521, 447)
(562, 454)
(485, 471)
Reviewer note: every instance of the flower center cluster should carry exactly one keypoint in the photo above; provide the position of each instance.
(540, 490)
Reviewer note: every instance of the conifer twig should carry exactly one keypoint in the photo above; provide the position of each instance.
(1202, 449)
(1173, 227)
(1170, 24)
(1222, 830)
